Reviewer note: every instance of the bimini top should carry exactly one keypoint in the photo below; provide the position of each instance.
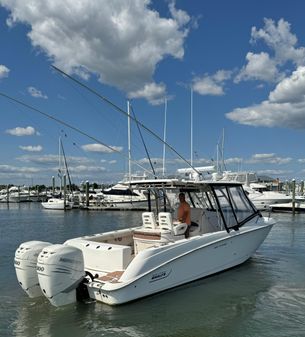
(225, 198)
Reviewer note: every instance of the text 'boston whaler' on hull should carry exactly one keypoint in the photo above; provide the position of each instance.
(124, 265)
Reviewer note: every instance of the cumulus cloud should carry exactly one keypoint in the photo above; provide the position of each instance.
(4, 71)
(20, 131)
(283, 44)
(14, 169)
(259, 67)
(274, 172)
(291, 89)
(36, 93)
(268, 158)
(279, 38)
(52, 159)
(101, 148)
(31, 148)
(154, 93)
(235, 160)
(211, 84)
(285, 106)
(85, 168)
(120, 41)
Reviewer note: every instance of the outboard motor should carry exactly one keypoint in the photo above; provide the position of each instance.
(60, 269)
(25, 264)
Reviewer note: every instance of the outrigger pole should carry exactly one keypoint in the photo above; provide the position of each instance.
(71, 127)
(117, 108)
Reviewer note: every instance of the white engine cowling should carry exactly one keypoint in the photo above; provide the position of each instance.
(60, 269)
(25, 265)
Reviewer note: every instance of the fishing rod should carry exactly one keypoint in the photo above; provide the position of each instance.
(70, 127)
(117, 108)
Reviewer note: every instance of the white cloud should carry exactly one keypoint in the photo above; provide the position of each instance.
(283, 44)
(179, 15)
(31, 148)
(235, 160)
(285, 107)
(259, 67)
(87, 169)
(211, 84)
(274, 172)
(36, 93)
(52, 159)
(20, 131)
(279, 38)
(4, 71)
(14, 169)
(291, 89)
(120, 41)
(268, 158)
(101, 148)
(154, 93)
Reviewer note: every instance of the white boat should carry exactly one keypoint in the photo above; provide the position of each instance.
(120, 196)
(263, 199)
(299, 207)
(57, 204)
(124, 265)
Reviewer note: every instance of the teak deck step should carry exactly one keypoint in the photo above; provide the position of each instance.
(112, 277)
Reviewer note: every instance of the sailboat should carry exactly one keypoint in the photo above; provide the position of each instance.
(60, 203)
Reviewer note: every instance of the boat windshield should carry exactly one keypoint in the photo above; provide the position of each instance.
(235, 207)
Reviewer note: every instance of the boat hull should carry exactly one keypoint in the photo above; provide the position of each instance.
(181, 263)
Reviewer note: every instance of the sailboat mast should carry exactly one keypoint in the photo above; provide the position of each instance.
(59, 163)
(191, 126)
(222, 150)
(129, 143)
(164, 134)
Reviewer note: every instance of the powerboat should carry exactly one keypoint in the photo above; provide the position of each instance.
(57, 204)
(143, 259)
(120, 196)
(263, 199)
(298, 207)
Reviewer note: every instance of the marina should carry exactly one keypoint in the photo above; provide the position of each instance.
(264, 294)
(152, 180)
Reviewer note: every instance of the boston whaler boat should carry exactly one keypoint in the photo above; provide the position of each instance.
(124, 265)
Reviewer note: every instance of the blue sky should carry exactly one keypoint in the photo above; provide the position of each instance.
(244, 60)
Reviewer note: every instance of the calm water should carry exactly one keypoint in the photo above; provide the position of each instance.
(264, 297)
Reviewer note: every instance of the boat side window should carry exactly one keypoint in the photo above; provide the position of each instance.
(234, 204)
(241, 206)
(121, 192)
(225, 205)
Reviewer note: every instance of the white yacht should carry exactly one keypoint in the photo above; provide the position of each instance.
(262, 199)
(143, 259)
(120, 196)
(57, 204)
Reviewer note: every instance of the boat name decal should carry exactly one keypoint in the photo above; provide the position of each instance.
(220, 245)
(159, 276)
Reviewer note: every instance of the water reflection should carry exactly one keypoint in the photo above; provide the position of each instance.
(206, 307)
(262, 298)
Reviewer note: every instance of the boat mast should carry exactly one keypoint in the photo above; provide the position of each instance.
(129, 145)
(222, 150)
(164, 134)
(191, 126)
(59, 163)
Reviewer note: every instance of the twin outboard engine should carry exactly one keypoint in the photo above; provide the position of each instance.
(25, 264)
(60, 270)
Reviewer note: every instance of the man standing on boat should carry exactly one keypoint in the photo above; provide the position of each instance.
(184, 213)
